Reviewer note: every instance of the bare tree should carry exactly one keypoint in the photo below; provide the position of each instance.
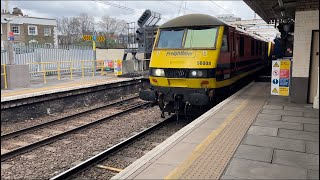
(111, 25)
(68, 29)
(71, 29)
(86, 23)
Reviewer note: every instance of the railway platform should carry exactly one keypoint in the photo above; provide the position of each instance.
(250, 135)
(64, 95)
(39, 88)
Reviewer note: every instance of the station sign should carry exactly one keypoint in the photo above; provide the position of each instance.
(11, 36)
(280, 77)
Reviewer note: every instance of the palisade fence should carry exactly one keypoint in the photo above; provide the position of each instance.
(52, 60)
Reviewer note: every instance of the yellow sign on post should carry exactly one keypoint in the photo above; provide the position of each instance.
(101, 38)
(118, 67)
(87, 37)
(90, 38)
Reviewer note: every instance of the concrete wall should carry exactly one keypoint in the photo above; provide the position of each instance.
(306, 20)
(114, 54)
(307, 5)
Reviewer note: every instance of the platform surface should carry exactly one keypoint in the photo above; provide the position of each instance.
(38, 87)
(250, 135)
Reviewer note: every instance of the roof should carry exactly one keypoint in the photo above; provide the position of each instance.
(193, 20)
(271, 9)
(30, 20)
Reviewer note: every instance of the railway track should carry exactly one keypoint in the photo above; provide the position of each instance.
(121, 155)
(20, 142)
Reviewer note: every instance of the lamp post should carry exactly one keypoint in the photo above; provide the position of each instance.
(10, 36)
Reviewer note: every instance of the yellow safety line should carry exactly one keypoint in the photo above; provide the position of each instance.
(183, 167)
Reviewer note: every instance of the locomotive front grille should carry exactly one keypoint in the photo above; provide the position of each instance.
(176, 73)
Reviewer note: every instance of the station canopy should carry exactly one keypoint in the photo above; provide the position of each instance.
(270, 10)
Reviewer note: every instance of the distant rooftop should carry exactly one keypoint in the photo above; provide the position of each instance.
(228, 17)
(19, 18)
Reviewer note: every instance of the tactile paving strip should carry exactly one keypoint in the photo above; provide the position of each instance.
(211, 163)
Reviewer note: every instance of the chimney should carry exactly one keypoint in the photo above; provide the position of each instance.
(17, 11)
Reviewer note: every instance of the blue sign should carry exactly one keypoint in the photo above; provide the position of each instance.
(94, 38)
(284, 82)
(275, 81)
(11, 38)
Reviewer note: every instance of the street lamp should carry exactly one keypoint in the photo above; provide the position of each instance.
(9, 40)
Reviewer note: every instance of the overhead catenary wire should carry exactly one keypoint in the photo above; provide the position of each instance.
(122, 7)
(179, 6)
(118, 6)
(221, 7)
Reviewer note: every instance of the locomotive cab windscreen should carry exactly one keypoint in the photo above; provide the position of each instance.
(204, 37)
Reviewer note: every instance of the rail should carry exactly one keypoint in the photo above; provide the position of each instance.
(4, 74)
(48, 140)
(104, 154)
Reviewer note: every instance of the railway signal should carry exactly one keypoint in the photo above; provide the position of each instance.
(140, 35)
(144, 18)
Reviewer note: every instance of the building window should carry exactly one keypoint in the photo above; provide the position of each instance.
(47, 31)
(15, 29)
(32, 30)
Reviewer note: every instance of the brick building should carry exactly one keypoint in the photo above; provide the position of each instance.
(28, 30)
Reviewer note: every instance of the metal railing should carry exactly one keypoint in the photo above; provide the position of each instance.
(59, 68)
(29, 54)
(67, 67)
(4, 74)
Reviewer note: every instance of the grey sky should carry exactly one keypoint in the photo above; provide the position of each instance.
(168, 9)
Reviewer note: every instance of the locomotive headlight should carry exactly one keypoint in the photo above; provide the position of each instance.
(193, 73)
(157, 72)
(198, 73)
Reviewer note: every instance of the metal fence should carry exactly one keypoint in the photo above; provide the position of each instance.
(42, 58)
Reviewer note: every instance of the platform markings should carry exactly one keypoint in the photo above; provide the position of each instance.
(179, 170)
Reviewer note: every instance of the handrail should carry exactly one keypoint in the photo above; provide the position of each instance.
(5, 76)
(71, 68)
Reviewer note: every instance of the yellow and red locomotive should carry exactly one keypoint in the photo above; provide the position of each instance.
(196, 57)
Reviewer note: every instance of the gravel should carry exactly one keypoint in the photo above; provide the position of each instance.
(50, 160)
(13, 125)
(71, 123)
(133, 151)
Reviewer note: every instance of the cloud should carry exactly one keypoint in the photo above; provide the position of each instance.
(130, 11)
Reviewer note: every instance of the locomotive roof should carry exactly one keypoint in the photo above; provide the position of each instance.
(193, 20)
